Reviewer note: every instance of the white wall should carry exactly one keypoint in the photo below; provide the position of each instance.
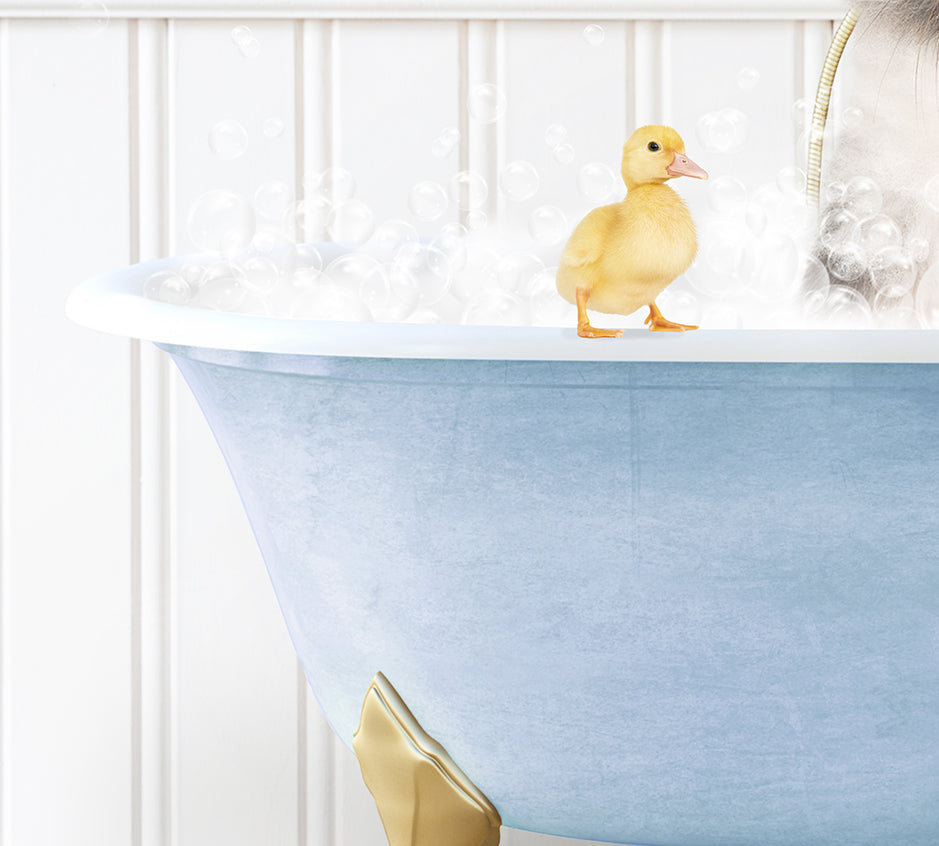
(149, 691)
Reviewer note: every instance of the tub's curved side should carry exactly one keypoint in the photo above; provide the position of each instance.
(661, 603)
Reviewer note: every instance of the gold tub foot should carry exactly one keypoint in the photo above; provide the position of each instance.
(423, 797)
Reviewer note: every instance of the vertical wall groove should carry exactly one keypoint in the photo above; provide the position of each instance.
(5, 599)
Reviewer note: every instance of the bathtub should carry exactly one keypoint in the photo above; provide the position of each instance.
(671, 590)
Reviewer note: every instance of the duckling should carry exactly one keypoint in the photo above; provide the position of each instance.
(620, 257)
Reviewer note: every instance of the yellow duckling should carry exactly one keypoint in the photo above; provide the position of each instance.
(622, 256)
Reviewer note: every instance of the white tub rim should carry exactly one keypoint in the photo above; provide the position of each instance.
(113, 302)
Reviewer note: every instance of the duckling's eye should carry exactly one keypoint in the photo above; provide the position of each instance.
(653, 147)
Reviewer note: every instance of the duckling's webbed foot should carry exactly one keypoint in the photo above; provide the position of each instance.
(657, 323)
(584, 329)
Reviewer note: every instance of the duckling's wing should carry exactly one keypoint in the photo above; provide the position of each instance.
(589, 239)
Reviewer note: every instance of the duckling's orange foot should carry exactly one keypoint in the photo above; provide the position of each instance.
(585, 330)
(657, 323)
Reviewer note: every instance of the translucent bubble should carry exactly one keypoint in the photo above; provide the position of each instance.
(555, 134)
(593, 34)
(514, 271)
(815, 284)
(898, 313)
(348, 270)
(194, 274)
(274, 127)
(730, 255)
(260, 274)
(919, 249)
(548, 225)
(747, 79)
(487, 103)
(597, 182)
(166, 286)
(837, 227)
(388, 237)
(92, 20)
(446, 142)
(452, 243)
(221, 221)
(564, 153)
(222, 290)
(720, 316)
(863, 197)
(424, 315)
(337, 185)
(834, 193)
(879, 231)
(791, 180)
(306, 220)
(519, 181)
(270, 241)
(351, 222)
(228, 139)
(309, 257)
(495, 308)
(755, 218)
(392, 295)
(931, 193)
(246, 41)
(477, 220)
(893, 272)
(429, 266)
(468, 190)
(852, 118)
(272, 199)
(927, 298)
(723, 131)
(679, 304)
(306, 278)
(427, 200)
(726, 195)
(845, 308)
(847, 261)
(779, 277)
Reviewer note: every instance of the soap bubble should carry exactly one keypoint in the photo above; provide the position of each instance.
(927, 297)
(548, 225)
(477, 220)
(495, 308)
(167, 286)
(336, 184)
(564, 153)
(260, 274)
(306, 219)
(519, 181)
(680, 305)
(429, 266)
(815, 284)
(747, 79)
(722, 131)
(305, 279)
(223, 288)
(931, 193)
(388, 237)
(893, 272)
(351, 222)
(270, 241)
(593, 34)
(391, 295)
(845, 308)
(546, 305)
(726, 195)
(847, 261)
(879, 231)
(228, 139)
(514, 271)
(451, 241)
(194, 274)
(272, 199)
(779, 277)
(93, 19)
(919, 249)
(852, 118)
(326, 300)
(246, 41)
(837, 227)
(555, 134)
(801, 111)
(221, 221)
(349, 269)
(834, 193)
(899, 313)
(487, 103)
(597, 182)
(446, 142)
(468, 190)
(755, 218)
(309, 257)
(862, 197)
(273, 127)
(720, 316)
(427, 200)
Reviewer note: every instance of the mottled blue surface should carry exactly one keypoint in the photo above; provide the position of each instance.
(656, 603)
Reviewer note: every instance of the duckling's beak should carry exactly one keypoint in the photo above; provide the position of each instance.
(683, 166)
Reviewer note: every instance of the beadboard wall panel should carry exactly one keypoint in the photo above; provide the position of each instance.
(150, 695)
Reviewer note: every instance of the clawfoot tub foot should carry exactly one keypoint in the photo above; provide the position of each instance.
(423, 797)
